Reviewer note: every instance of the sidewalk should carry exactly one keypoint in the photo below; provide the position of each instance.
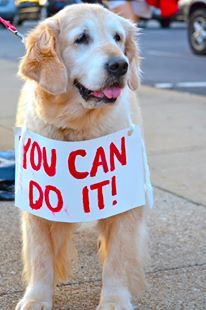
(175, 126)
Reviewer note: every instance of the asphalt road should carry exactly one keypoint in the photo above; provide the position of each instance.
(168, 61)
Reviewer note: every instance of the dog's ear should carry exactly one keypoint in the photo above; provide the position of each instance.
(41, 62)
(132, 52)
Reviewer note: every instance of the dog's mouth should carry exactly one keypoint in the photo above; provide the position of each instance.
(106, 95)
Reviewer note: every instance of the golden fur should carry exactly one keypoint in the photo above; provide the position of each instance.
(51, 105)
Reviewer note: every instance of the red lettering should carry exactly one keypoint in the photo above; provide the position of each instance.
(26, 148)
(114, 189)
(35, 154)
(59, 205)
(85, 197)
(99, 160)
(100, 197)
(120, 155)
(38, 203)
(72, 167)
(50, 170)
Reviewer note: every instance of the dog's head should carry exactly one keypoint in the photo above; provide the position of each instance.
(84, 49)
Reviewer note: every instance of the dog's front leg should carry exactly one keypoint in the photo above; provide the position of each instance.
(122, 247)
(38, 264)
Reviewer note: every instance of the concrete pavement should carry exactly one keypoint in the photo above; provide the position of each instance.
(175, 125)
(175, 134)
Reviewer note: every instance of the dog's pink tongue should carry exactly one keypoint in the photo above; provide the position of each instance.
(97, 94)
(112, 92)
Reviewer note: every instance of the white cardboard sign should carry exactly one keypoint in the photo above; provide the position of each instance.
(79, 181)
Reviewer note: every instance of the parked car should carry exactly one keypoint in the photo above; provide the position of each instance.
(7, 9)
(28, 10)
(195, 11)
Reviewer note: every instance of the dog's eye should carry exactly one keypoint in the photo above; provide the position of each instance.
(82, 39)
(117, 37)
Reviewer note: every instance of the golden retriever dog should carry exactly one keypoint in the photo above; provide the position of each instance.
(81, 76)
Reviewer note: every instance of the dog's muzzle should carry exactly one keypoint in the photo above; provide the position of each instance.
(107, 94)
(116, 69)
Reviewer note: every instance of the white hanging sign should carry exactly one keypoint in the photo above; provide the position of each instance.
(79, 181)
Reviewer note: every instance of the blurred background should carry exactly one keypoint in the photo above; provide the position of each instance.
(172, 43)
(172, 40)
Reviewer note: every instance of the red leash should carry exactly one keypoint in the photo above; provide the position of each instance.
(11, 28)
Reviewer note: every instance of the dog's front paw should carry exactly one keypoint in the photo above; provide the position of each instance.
(115, 306)
(31, 304)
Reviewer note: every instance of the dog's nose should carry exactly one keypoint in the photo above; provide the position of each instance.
(117, 66)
